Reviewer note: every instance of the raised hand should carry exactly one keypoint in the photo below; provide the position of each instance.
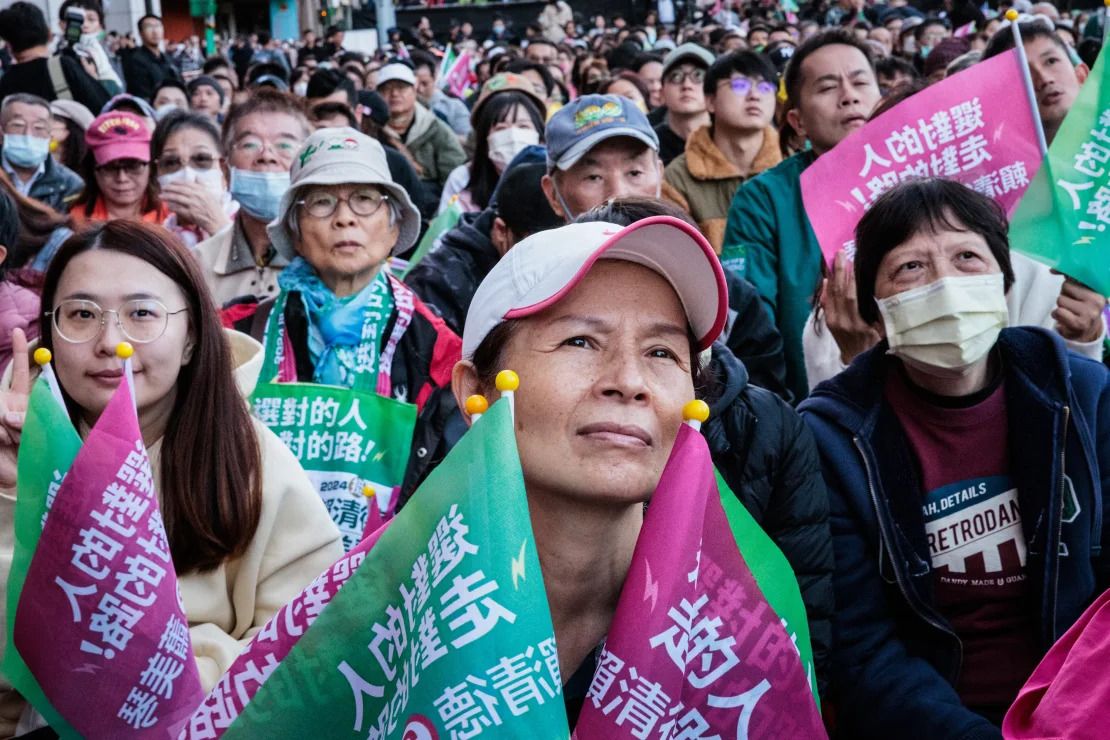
(838, 298)
(13, 408)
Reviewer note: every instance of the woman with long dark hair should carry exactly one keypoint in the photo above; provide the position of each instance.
(507, 117)
(245, 526)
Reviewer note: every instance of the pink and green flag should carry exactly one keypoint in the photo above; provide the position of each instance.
(442, 629)
(99, 621)
(48, 446)
(1064, 218)
(695, 649)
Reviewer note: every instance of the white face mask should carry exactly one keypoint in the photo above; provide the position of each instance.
(300, 89)
(212, 179)
(507, 143)
(947, 326)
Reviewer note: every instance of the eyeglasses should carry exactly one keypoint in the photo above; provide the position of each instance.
(253, 145)
(362, 202)
(678, 76)
(169, 165)
(130, 167)
(17, 127)
(141, 321)
(743, 86)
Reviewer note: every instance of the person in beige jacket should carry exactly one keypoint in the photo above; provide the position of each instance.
(190, 379)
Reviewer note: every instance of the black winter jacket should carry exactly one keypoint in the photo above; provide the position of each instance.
(769, 459)
(448, 276)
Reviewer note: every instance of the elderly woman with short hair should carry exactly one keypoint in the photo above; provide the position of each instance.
(340, 317)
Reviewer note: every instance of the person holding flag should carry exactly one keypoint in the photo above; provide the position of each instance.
(603, 383)
(342, 320)
(966, 466)
(245, 528)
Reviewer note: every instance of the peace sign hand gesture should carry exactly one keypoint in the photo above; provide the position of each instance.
(13, 408)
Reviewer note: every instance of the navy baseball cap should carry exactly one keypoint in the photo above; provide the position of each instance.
(582, 124)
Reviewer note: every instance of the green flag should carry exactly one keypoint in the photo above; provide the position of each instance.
(773, 574)
(1063, 220)
(439, 226)
(46, 451)
(444, 628)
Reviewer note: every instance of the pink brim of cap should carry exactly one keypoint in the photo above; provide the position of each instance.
(106, 153)
(667, 257)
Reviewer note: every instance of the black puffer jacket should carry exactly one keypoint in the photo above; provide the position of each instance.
(769, 460)
(447, 278)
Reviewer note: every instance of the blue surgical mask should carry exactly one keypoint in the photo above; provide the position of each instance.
(26, 151)
(259, 193)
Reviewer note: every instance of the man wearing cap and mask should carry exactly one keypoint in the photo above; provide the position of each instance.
(432, 143)
(25, 121)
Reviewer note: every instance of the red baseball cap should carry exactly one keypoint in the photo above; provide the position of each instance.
(118, 135)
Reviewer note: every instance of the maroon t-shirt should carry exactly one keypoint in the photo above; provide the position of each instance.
(976, 543)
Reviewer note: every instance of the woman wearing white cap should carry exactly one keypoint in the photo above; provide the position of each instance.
(604, 325)
(341, 318)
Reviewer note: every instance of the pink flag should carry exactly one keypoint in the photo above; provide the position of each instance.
(1068, 694)
(977, 127)
(270, 646)
(965, 30)
(695, 650)
(458, 77)
(100, 623)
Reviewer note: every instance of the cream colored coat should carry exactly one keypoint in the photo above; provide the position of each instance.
(214, 255)
(295, 542)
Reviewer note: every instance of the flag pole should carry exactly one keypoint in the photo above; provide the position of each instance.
(124, 351)
(42, 359)
(476, 406)
(507, 382)
(695, 414)
(1012, 16)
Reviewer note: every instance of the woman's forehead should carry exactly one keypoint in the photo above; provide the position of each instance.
(616, 291)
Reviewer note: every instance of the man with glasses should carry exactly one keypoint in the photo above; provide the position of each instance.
(738, 143)
(261, 138)
(25, 156)
(683, 76)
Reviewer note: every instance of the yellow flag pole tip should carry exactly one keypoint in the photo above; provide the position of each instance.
(507, 381)
(1012, 15)
(368, 491)
(42, 356)
(124, 350)
(476, 405)
(696, 410)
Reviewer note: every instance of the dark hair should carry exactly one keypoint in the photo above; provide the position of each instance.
(897, 95)
(601, 87)
(178, 120)
(519, 66)
(331, 31)
(215, 62)
(926, 205)
(93, 5)
(210, 484)
(23, 26)
(37, 224)
(483, 175)
(73, 150)
(263, 38)
(1088, 51)
(147, 17)
(325, 82)
(264, 100)
(91, 194)
(331, 109)
(919, 29)
(9, 227)
(424, 59)
(1003, 38)
(175, 83)
(746, 63)
(527, 210)
(891, 65)
(833, 37)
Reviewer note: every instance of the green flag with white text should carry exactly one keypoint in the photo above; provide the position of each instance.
(1063, 220)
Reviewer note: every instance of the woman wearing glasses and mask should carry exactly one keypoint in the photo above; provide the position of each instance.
(192, 176)
(245, 526)
(341, 318)
(118, 182)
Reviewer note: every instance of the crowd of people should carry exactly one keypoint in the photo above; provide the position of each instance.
(254, 216)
